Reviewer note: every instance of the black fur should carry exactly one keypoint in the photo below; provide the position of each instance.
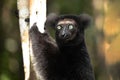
(56, 60)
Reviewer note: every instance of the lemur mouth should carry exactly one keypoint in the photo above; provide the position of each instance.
(70, 38)
(65, 38)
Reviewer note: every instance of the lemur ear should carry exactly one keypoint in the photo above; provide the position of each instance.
(85, 20)
(51, 20)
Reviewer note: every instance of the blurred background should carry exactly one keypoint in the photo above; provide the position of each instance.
(102, 38)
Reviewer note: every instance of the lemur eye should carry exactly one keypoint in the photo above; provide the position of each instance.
(71, 26)
(59, 27)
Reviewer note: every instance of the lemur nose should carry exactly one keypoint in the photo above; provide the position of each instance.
(64, 36)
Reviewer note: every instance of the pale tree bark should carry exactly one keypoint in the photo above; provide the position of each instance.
(35, 11)
(38, 13)
(24, 14)
(38, 16)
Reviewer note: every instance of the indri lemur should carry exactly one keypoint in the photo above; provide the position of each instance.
(66, 57)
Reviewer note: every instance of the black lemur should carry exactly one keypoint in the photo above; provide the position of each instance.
(66, 57)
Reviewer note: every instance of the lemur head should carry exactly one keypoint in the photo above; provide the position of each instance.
(69, 28)
(66, 29)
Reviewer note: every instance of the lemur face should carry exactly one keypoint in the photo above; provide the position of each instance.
(66, 29)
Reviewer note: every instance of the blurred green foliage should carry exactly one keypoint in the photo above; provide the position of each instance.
(11, 65)
(70, 7)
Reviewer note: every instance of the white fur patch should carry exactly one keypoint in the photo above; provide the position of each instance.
(66, 21)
